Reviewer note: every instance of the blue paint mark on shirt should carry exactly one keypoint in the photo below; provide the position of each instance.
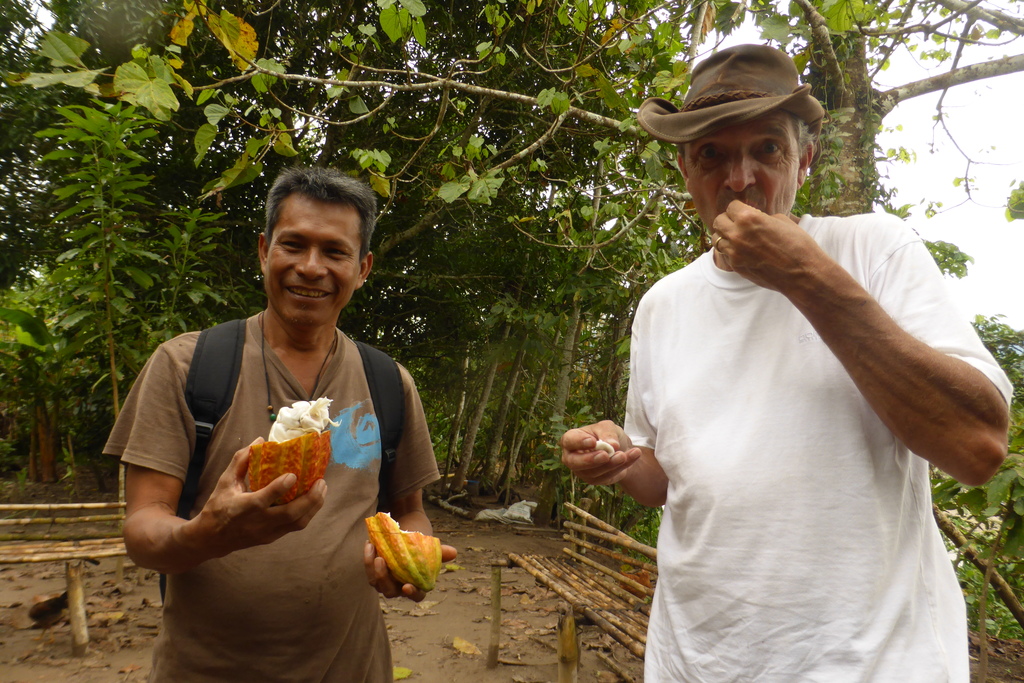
(355, 442)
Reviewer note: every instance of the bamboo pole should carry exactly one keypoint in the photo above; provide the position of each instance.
(568, 646)
(26, 543)
(122, 480)
(601, 524)
(619, 576)
(625, 559)
(631, 644)
(76, 609)
(55, 537)
(51, 507)
(60, 520)
(492, 651)
(619, 538)
(616, 669)
(83, 554)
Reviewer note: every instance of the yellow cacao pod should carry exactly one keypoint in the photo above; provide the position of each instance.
(411, 556)
(305, 456)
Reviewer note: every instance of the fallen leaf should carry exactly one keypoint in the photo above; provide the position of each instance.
(400, 672)
(452, 567)
(465, 647)
(129, 669)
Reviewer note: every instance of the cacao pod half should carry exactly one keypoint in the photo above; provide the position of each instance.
(305, 456)
(411, 556)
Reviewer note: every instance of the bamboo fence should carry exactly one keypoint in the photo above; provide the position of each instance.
(606, 595)
(61, 546)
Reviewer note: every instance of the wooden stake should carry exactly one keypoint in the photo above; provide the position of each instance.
(122, 475)
(568, 646)
(76, 609)
(492, 651)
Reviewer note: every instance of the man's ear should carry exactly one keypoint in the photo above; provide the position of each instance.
(682, 166)
(263, 248)
(805, 163)
(364, 268)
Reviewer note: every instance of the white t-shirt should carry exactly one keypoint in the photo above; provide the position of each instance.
(797, 542)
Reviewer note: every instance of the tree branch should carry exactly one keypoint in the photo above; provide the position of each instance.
(823, 41)
(1000, 20)
(887, 101)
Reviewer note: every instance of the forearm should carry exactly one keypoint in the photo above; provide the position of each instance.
(157, 539)
(645, 481)
(940, 407)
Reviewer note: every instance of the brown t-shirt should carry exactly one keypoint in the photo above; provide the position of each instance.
(300, 608)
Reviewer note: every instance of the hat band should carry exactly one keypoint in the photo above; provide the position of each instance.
(722, 98)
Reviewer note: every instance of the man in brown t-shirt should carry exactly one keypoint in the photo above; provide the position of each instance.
(286, 592)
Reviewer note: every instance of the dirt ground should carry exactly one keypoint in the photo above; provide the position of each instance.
(444, 639)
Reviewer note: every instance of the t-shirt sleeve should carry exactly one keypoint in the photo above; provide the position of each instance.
(416, 465)
(638, 424)
(154, 428)
(910, 287)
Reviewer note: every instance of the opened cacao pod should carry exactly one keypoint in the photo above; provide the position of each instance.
(411, 556)
(305, 456)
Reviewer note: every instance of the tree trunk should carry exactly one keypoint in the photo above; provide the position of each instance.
(48, 448)
(549, 489)
(526, 423)
(848, 140)
(453, 433)
(498, 427)
(459, 481)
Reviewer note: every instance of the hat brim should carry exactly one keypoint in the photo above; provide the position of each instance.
(665, 121)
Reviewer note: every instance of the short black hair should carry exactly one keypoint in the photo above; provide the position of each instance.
(324, 185)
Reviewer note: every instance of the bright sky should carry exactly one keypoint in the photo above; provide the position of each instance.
(984, 119)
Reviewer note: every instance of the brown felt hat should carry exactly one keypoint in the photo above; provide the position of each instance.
(735, 85)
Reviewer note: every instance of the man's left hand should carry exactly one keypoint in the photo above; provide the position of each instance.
(380, 577)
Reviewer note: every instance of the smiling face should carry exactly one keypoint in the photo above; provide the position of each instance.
(760, 163)
(311, 266)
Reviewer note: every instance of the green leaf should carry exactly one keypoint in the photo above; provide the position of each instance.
(283, 145)
(75, 79)
(451, 191)
(357, 106)
(63, 49)
(390, 22)
(33, 326)
(204, 138)
(416, 7)
(419, 31)
(141, 279)
(137, 87)
(215, 112)
(261, 81)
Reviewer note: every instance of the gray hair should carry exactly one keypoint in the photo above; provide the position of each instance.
(324, 185)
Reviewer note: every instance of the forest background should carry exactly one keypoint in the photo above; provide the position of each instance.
(523, 212)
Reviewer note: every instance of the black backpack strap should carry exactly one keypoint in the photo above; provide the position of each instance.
(388, 396)
(209, 390)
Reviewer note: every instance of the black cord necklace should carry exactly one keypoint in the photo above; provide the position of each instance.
(266, 373)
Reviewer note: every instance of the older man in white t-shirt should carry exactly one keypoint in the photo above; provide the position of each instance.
(788, 391)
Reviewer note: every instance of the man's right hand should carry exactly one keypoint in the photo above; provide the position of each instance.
(235, 517)
(581, 455)
(232, 519)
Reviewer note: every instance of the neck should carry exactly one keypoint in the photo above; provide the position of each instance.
(288, 339)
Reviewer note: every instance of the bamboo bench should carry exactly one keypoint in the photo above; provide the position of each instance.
(70, 548)
(614, 600)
